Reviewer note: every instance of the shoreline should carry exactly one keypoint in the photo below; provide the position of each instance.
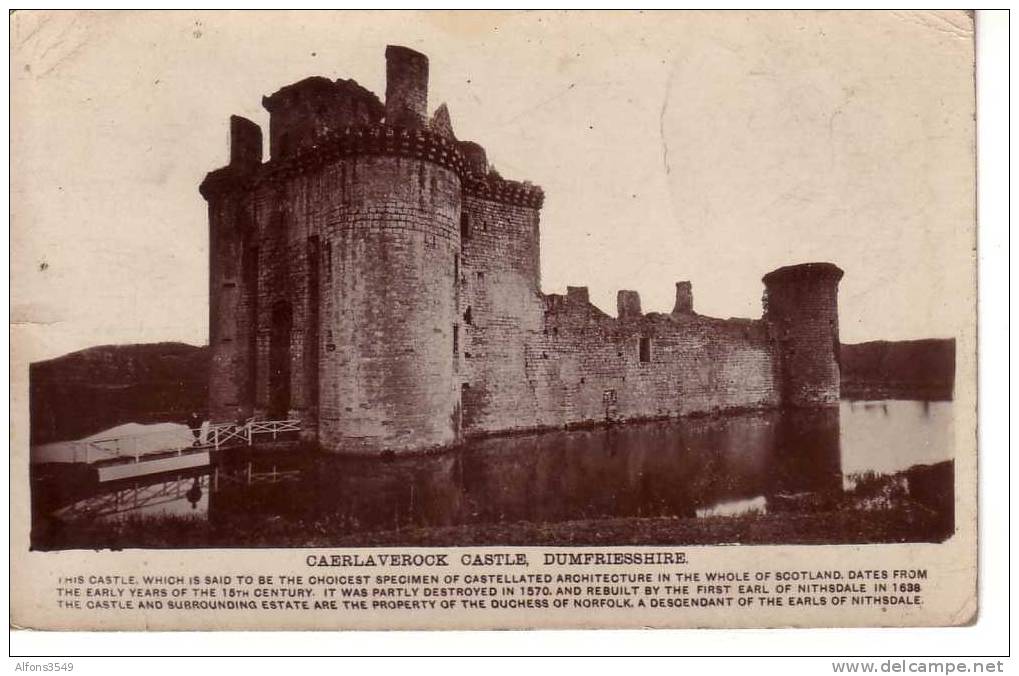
(904, 523)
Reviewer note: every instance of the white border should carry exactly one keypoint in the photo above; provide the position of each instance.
(989, 636)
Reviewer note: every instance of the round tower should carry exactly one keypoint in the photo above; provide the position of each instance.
(801, 309)
(231, 325)
(390, 329)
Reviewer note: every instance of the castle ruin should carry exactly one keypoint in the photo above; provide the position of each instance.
(378, 281)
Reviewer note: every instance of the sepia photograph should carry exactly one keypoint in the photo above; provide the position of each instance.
(619, 282)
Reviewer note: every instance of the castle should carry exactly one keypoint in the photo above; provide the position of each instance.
(378, 281)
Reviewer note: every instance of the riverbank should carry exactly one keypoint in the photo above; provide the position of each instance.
(905, 524)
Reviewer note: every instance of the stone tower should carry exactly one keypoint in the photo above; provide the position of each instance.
(232, 291)
(801, 309)
(389, 371)
(333, 266)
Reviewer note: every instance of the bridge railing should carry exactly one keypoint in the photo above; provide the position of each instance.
(273, 427)
(212, 436)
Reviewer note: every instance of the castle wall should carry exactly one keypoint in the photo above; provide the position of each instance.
(500, 295)
(588, 367)
(282, 301)
(535, 361)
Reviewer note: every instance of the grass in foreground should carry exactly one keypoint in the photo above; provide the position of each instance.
(905, 523)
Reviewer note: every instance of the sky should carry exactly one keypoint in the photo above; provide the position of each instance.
(709, 147)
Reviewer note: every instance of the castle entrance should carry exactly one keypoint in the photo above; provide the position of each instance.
(279, 361)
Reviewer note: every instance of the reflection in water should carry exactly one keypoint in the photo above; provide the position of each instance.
(168, 495)
(677, 469)
(766, 462)
(194, 493)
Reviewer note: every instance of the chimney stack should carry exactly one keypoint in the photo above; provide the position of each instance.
(577, 294)
(684, 299)
(406, 87)
(628, 304)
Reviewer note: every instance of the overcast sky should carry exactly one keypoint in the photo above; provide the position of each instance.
(703, 147)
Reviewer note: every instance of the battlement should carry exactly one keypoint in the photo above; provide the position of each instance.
(498, 189)
(379, 139)
(628, 305)
(476, 158)
(376, 139)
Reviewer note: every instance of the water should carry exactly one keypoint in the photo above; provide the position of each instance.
(890, 436)
(701, 467)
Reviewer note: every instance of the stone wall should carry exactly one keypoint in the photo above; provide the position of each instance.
(389, 368)
(586, 366)
(501, 309)
(543, 361)
(227, 361)
(356, 306)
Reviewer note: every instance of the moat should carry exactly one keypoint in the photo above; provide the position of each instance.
(862, 472)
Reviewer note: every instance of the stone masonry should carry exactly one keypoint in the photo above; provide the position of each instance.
(377, 280)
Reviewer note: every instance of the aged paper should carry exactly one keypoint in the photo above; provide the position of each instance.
(493, 320)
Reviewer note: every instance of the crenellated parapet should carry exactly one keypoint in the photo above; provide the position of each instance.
(353, 141)
(496, 189)
(376, 139)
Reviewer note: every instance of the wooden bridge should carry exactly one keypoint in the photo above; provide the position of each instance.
(141, 454)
